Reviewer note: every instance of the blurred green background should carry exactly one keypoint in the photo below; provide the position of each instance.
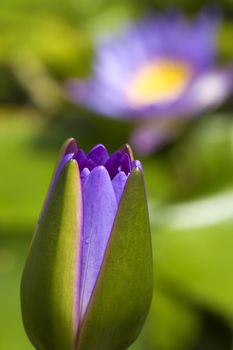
(189, 182)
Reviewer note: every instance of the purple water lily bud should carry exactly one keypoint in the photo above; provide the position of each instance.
(87, 282)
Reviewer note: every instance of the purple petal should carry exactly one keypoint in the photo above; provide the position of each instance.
(84, 175)
(99, 208)
(99, 155)
(125, 164)
(152, 137)
(118, 184)
(210, 89)
(137, 164)
(83, 162)
(113, 163)
(89, 164)
(81, 158)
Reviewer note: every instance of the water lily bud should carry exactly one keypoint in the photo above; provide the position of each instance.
(87, 283)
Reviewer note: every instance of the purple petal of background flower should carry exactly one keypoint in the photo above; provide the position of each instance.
(169, 36)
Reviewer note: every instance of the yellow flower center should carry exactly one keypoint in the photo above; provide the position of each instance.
(158, 82)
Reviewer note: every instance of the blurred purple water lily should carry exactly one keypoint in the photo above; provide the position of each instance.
(159, 69)
(87, 283)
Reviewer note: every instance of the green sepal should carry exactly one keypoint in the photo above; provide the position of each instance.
(69, 146)
(50, 278)
(127, 149)
(123, 292)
